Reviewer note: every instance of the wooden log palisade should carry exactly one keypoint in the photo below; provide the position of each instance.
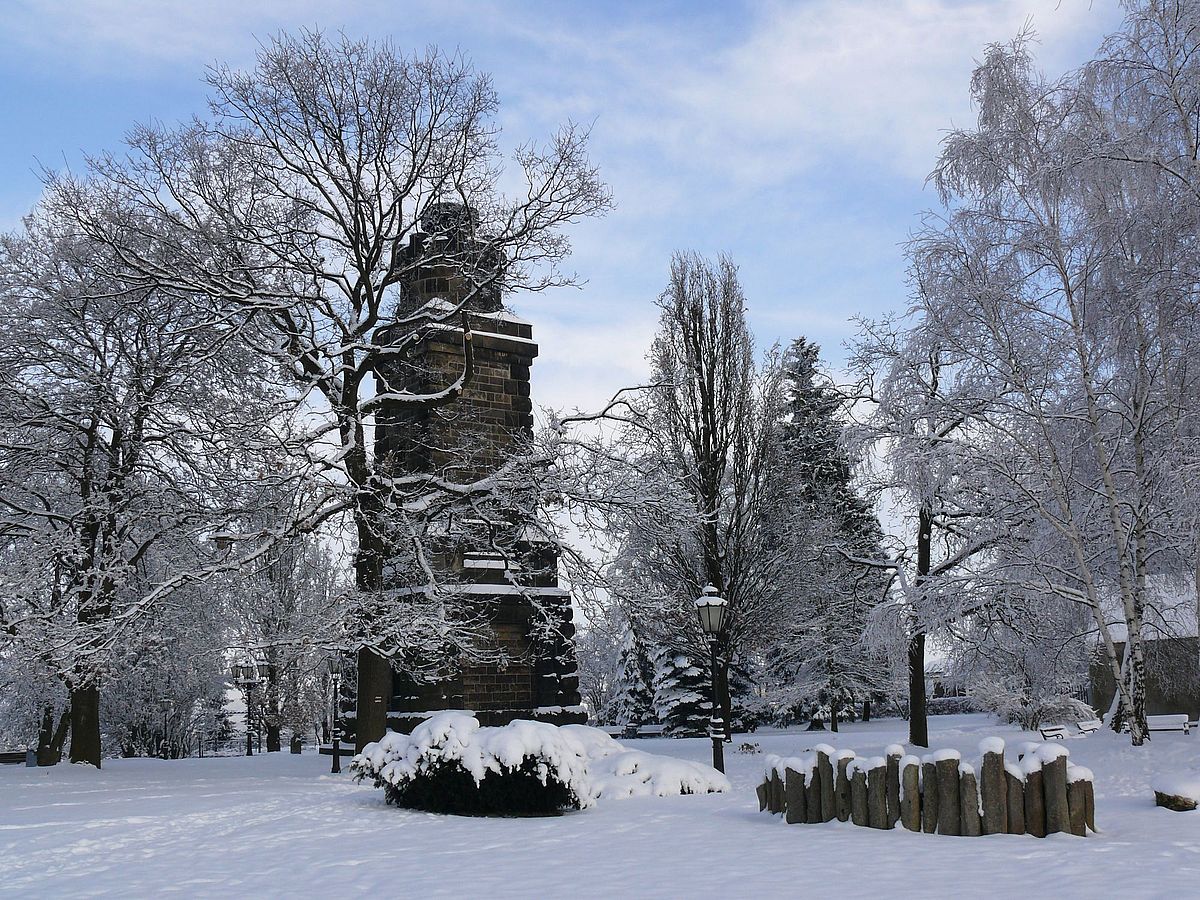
(1039, 793)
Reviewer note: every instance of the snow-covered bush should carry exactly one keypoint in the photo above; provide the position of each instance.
(452, 764)
(1012, 702)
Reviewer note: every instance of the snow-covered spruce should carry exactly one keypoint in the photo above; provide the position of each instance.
(450, 763)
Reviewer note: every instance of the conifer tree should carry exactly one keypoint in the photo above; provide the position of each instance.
(834, 526)
(681, 692)
(633, 700)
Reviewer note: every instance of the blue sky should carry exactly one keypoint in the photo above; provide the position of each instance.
(794, 135)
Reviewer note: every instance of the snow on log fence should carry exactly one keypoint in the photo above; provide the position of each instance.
(1040, 794)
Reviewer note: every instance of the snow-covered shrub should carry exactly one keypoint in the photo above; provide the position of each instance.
(1014, 702)
(452, 764)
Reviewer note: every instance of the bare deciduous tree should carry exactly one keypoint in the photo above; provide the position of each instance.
(295, 202)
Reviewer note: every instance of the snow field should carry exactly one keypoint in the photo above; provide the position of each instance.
(275, 825)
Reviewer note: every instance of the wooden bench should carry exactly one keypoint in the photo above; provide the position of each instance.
(1054, 732)
(1171, 722)
(1090, 726)
(12, 757)
(651, 730)
(613, 731)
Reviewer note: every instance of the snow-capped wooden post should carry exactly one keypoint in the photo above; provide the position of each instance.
(1035, 798)
(793, 795)
(1089, 803)
(825, 781)
(812, 793)
(946, 764)
(1077, 779)
(970, 824)
(910, 793)
(1014, 780)
(1054, 783)
(841, 786)
(877, 793)
(858, 793)
(894, 753)
(929, 795)
(777, 796)
(993, 791)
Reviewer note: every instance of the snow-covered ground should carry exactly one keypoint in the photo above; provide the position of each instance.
(275, 825)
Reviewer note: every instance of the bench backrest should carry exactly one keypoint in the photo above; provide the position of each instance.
(1054, 731)
(1090, 725)
(1172, 720)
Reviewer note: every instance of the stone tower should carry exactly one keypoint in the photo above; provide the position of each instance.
(512, 578)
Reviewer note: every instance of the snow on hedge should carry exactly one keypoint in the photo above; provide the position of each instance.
(586, 760)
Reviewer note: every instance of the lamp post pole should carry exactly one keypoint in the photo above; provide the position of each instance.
(336, 679)
(716, 725)
(165, 703)
(246, 678)
(710, 611)
(249, 718)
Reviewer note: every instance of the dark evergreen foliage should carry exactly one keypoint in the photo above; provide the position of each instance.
(633, 700)
(447, 787)
(681, 693)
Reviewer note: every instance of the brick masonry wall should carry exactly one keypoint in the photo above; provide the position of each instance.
(466, 440)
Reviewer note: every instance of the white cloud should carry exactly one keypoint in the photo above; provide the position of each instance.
(876, 79)
(794, 134)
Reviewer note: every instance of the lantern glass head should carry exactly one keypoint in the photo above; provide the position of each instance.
(245, 674)
(263, 670)
(710, 611)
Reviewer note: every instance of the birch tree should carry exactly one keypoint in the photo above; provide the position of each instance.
(1065, 277)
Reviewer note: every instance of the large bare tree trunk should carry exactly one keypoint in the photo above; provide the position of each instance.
(918, 723)
(274, 744)
(85, 724)
(374, 690)
(374, 672)
(51, 739)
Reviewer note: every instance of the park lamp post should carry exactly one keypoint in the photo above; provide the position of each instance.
(247, 677)
(710, 611)
(335, 684)
(166, 704)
